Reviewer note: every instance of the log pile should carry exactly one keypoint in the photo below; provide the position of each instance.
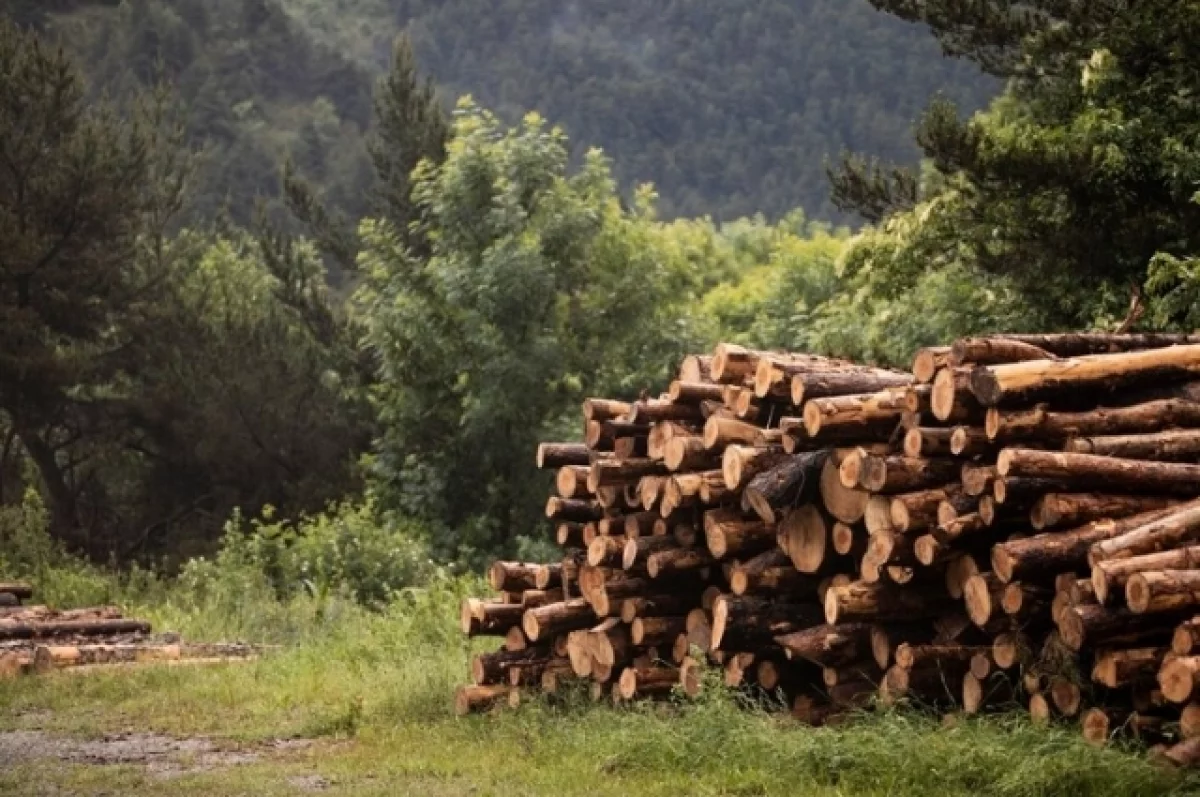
(1017, 521)
(36, 639)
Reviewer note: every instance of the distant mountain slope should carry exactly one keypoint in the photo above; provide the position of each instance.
(729, 108)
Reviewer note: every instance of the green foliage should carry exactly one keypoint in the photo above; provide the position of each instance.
(729, 110)
(538, 290)
(1083, 171)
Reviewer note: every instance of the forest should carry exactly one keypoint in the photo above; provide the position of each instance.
(171, 360)
(290, 291)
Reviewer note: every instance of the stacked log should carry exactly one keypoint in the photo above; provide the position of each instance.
(35, 638)
(1017, 520)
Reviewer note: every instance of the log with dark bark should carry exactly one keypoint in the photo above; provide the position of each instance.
(727, 533)
(573, 510)
(470, 699)
(1176, 445)
(977, 480)
(1163, 591)
(512, 576)
(1092, 471)
(739, 620)
(617, 472)
(1047, 555)
(881, 602)
(552, 456)
(637, 551)
(856, 380)
(1098, 625)
(892, 475)
(994, 351)
(829, 645)
(1049, 426)
(1116, 668)
(1035, 380)
(1075, 509)
(492, 668)
(1178, 526)
(1110, 576)
(43, 629)
(679, 560)
(922, 441)
(793, 481)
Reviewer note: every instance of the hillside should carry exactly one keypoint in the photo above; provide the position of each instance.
(728, 109)
(727, 112)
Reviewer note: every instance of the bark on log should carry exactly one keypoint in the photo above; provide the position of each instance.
(1177, 445)
(922, 441)
(469, 699)
(484, 618)
(1097, 625)
(573, 510)
(892, 475)
(1135, 476)
(605, 551)
(512, 576)
(1110, 576)
(970, 441)
(909, 655)
(665, 605)
(1044, 555)
(740, 464)
(918, 510)
(647, 681)
(492, 668)
(601, 409)
(1116, 668)
(849, 381)
(656, 631)
(10, 629)
(881, 601)
(551, 456)
(50, 657)
(636, 551)
(1039, 379)
(728, 533)
(682, 392)
(1075, 344)
(1163, 591)
(612, 472)
(679, 560)
(994, 351)
(1178, 526)
(688, 453)
(740, 620)
(793, 481)
(977, 479)
(1075, 509)
(864, 416)
(829, 645)
(557, 618)
(1044, 424)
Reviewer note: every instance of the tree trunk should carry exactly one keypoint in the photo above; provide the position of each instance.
(746, 620)
(1179, 678)
(492, 668)
(483, 618)
(891, 475)
(1097, 625)
(929, 361)
(740, 464)
(909, 656)
(804, 536)
(977, 479)
(513, 576)
(573, 510)
(647, 681)
(696, 368)
(679, 560)
(721, 432)
(64, 513)
(951, 400)
(1185, 641)
(921, 441)
(1089, 470)
(1039, 379)
(607, 473)
(727, 533)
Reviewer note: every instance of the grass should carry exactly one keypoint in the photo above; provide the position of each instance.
(374, 691)
(371, 692)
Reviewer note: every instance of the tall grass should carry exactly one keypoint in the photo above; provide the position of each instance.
(383, 676)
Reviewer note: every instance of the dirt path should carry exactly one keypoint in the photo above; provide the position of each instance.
(163, 756)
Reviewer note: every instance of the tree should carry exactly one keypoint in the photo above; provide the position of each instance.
(537, 290)
(78, 188)
(1081, 173)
